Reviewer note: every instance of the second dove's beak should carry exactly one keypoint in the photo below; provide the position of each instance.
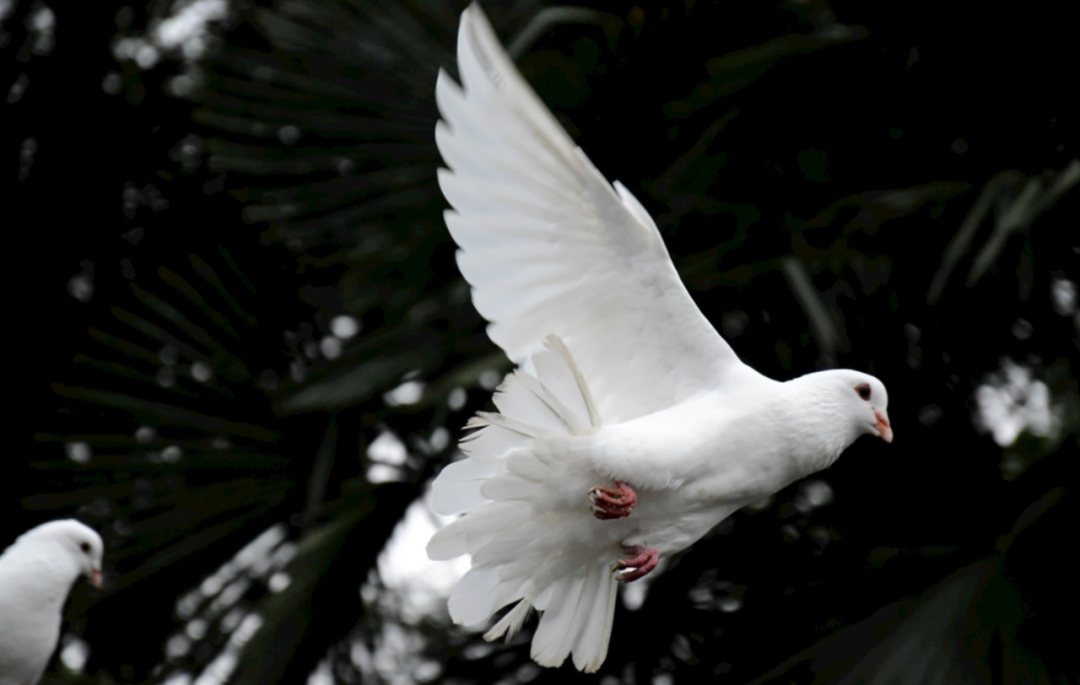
(95, 578)
(883, 427)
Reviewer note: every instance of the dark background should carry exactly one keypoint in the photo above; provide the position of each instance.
(884, 186)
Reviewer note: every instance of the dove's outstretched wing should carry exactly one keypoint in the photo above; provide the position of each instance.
(550, 247)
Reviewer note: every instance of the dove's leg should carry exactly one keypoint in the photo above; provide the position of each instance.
(608, 503)
(641, 561)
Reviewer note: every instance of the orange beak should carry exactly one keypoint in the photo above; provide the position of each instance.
(95, 578)
(883, 427)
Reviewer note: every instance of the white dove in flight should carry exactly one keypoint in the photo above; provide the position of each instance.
(36, 574)
(630, 427)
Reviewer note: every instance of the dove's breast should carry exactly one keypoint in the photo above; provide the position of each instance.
(29, 627)
(693, 465)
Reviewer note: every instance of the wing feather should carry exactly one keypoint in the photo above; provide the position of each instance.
(550, 247)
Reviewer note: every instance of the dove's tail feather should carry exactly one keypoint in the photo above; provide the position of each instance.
(527, 522)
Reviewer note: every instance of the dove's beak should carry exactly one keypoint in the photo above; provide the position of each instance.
(883, 427)
(95, 577)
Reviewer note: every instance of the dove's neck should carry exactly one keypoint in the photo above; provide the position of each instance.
(820, 429)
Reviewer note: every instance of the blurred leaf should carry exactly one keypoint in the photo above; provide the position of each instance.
(736, 70)
(1018, 201)
(966, 628)
(1019, 214)
(324, 578)
(876, 207)
(351, 387)
(825, 331)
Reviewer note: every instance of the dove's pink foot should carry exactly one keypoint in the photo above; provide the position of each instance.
(641, 561)
(608, 503)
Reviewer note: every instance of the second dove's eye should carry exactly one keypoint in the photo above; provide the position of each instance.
(864, 391)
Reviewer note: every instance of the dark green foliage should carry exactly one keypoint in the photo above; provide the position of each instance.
(878, 186)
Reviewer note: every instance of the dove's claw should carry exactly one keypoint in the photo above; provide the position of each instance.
(608, 503)
(641, 561)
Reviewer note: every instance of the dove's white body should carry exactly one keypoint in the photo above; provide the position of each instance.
(723, 452)
(676, 506)
(620, 376)
(36, 575)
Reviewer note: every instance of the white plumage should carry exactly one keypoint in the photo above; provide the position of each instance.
(36, 575)
(621, 379)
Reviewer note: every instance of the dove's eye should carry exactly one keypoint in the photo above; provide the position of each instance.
(85, 546)
(864, 391)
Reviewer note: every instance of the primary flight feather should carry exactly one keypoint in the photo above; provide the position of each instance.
(630, 427)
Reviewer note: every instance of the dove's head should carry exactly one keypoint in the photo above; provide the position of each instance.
(865, 401)
(76, 544)
(856, 400)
